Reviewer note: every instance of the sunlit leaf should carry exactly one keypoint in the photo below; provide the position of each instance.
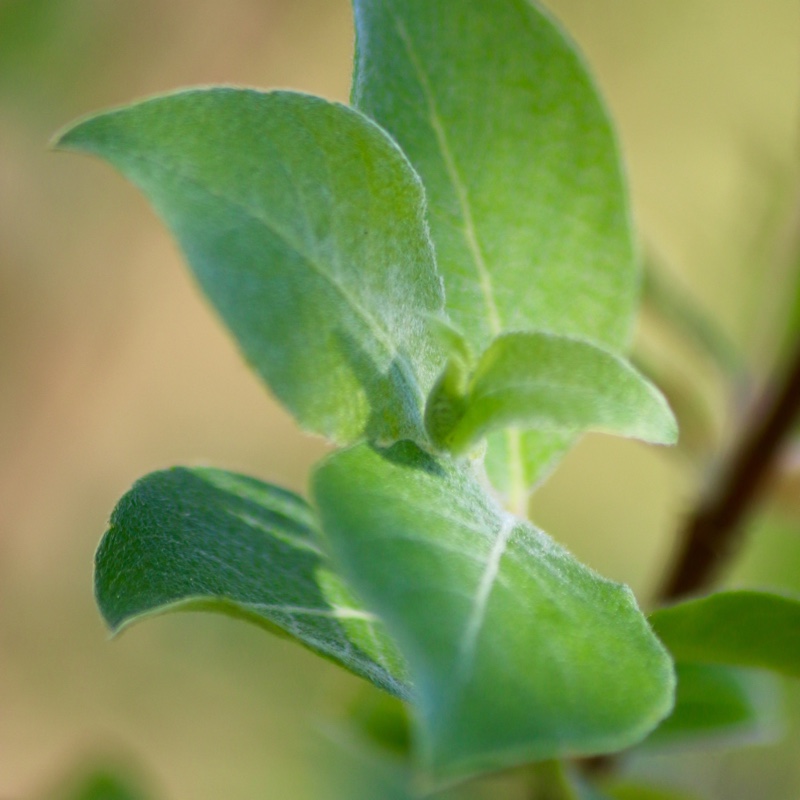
(516, 651)
(541, 381)
(528, 207)
(305, 226)
(205, 539)
(742, 628)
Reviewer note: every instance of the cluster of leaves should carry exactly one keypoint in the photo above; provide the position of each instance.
(441, 280)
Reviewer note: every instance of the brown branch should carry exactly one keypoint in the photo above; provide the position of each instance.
(714, 530)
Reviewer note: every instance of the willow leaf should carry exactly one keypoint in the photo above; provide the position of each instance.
(516, 650)
(205, 539)
(528, 207)
(553, 383)
(305, 226)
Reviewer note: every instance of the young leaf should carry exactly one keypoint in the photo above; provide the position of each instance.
(541, 381)
(210, 540)
(721, 705)
(741, 628)
(516, 651)
(528, 208)
(305, 226)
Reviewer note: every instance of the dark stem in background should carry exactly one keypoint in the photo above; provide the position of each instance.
(713, 531)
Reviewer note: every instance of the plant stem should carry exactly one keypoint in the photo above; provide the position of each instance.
(550, 781)
(519, 496)
(714, 530)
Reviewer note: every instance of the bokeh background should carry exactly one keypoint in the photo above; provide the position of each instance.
(112, 365)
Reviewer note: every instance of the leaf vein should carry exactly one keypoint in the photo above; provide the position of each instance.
(468, 228)
(310, 261)
(474, 623)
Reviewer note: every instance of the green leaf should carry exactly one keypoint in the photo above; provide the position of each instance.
(210, 540)
(723, 705)
(350, 768)
(528, 208)
(541, 381)
(560, 780)
(305, 225)
(382, 720)
(498, 114)
(104, 784)
(517, 461)
(516, 651)
(555, 780)
(625, 790)
(741, 628)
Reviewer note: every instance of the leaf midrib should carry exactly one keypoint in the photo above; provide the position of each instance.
(480, 601)
(518, 499)
(469, 229)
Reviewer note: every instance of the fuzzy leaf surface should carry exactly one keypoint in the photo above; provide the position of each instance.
(305, 226)
(210, 540)
(528, 207)
(547, 382)
(740, 628)
(516, 650)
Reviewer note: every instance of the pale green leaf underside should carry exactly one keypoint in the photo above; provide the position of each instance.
(305, 226)
(528, 207)
(741, 628)
(206, 539)
(516, 651)
(553, 383)
(717, 705)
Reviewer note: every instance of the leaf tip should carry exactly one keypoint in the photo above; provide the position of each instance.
(670, 431)
(662, 427)
(70, 136)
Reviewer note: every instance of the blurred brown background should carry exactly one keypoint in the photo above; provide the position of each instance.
(111, 365)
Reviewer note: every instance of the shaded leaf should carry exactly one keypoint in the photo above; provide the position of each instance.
(742, 628)
(559, 780)
(528, 207)
(205, 539)
(106, 785)
(516, 651)
(367, 757)
(636, 791)
(383, 720)
(720, 705)
(305, 226)
(537, 380)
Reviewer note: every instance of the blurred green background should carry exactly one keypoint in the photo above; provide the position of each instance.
(111, 365)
